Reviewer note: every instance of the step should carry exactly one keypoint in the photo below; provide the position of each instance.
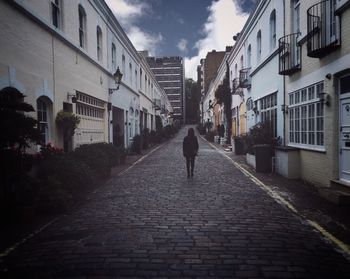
(336, 194)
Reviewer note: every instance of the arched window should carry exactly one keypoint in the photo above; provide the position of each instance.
(56, 13)
(258, 46)
(236, 71)
(44, 110)
(123, 64)
(114, 57)
(99, 43)
(273, 30)
(249, 56)
(82, 27)
(242, 62)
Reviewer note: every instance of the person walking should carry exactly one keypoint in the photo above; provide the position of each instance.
(190, 150)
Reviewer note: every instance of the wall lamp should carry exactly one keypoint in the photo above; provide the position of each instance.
(255, 110)
(324, 98)
(284, 108)
(71, 96)
(117, 76)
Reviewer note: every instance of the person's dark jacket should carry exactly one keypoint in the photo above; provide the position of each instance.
(190, 146)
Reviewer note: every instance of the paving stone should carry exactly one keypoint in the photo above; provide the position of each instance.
(153, 222)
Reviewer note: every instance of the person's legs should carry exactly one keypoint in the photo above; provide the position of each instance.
(192, 165)
(188, 161)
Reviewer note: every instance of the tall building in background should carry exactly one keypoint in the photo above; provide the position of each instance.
(170, 74)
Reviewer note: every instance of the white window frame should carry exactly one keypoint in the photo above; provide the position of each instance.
(82, 27)
(273, 30)
(306, 118)
(258, 46)
(114, 57)
(99, 43)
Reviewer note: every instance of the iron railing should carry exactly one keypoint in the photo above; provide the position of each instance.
(289, 54)
(322, 28)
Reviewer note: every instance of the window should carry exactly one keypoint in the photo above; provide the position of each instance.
(258, 45)
(273, 30)
(43, 113)
(249, 56)
(56, 13)
(250, 104)
(130, 73)
(123, 63)
(82, 27)
(306, 117)
(99, 43)
(296, 16)
(114, 57)
(135, 79)
(140, 79)
(242, 62)
(268, 110)
(89, 106)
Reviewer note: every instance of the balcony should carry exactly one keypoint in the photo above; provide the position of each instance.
(245, 80)
(289, 54)
(323, 29)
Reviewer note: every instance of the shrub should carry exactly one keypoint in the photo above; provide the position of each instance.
(96, 157)
(137, 144)
(68, 122)
(210, 136)
(71, 174)
(153, 137)
(261, 133)
(145, 138)
(122, 154)
(201, 129)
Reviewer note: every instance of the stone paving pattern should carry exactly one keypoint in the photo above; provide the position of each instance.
(153, 222)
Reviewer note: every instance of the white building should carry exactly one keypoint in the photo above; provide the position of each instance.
(56, 52)
(256, 84)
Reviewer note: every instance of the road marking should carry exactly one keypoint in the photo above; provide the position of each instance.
(25, 239)
(344, 248)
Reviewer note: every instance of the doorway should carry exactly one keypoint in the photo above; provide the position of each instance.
(344, 128)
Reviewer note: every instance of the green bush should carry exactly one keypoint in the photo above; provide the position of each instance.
(72, 174)
(96, 157)
(201, 129)
(145, 138)
(210, 136)
(137, 144)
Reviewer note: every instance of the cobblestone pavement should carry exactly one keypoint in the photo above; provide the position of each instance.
(153, 222)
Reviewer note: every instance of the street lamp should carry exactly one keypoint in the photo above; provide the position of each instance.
(117, 78)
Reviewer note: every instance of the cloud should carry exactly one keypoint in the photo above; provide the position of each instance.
(181, 20)
(225, 20)
(127, 13)
(182, 45)
(144, 41)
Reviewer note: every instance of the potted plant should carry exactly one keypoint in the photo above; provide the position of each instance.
(67, 122)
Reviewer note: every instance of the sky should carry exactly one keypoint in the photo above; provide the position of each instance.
(187, 28)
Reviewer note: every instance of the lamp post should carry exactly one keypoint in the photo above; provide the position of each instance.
(117, 76)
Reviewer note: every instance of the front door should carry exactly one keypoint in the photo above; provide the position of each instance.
(344, 119)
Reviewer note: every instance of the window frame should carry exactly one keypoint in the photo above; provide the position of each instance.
(99, 44)
(306, 123)
(82, 27)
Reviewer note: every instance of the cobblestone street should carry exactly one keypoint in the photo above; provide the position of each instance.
(152, 222)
